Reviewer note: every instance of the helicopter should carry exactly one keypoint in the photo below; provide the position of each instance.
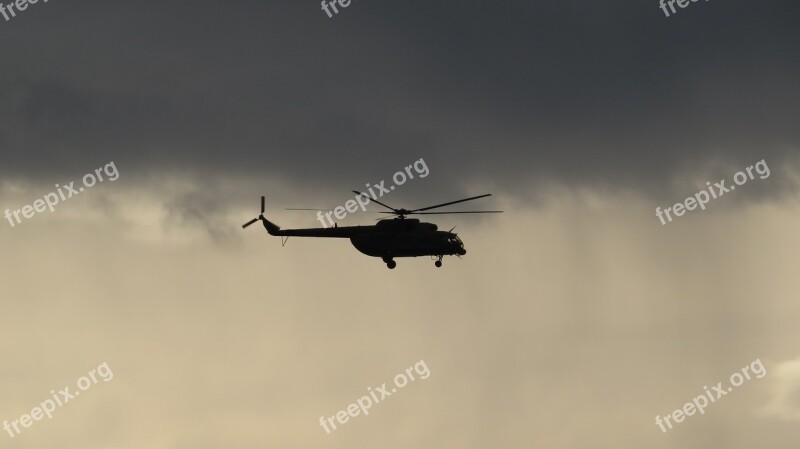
(391, 237)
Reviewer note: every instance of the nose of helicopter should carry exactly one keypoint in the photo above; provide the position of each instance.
(462, 251)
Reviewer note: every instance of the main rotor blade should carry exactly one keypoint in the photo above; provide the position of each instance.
(356, 212)
(295, 208)
(459, 212)
(451, 202)
(376, 201)
(249, 222)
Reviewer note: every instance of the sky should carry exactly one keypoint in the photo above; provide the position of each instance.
(576, 317)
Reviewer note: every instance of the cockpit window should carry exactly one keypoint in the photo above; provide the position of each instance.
(454, 239)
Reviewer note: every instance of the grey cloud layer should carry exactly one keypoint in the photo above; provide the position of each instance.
(568, 91)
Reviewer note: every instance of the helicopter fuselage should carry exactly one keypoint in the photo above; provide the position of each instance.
(407, 238)
(398, 237)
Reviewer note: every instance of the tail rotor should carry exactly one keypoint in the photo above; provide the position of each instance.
(260, 216)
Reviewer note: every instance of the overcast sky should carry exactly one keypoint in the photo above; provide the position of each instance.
(576, 316)
(567, 91)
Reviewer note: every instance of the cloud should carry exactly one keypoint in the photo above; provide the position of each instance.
(522, 93)
(785, 382)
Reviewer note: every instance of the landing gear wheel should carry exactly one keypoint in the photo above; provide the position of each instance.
(438, 263)
(391, 264)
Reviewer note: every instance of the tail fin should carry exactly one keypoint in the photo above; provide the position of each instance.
(271, 227)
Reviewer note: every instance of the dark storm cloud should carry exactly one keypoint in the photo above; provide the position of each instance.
(565, 91)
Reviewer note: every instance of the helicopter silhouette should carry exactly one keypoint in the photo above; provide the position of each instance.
(389, 238)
